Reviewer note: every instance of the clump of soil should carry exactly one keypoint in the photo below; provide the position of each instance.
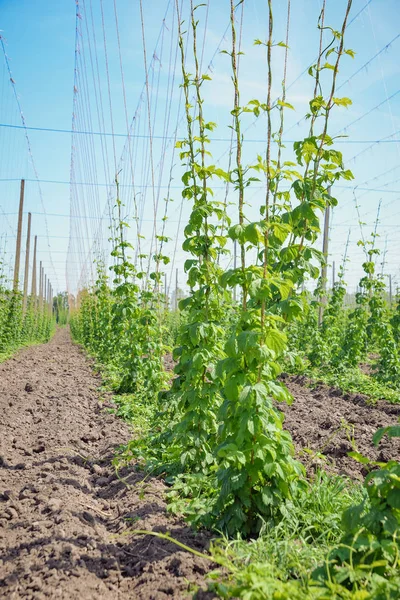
(65, 518)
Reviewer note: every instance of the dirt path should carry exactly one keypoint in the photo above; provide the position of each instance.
(64, 516)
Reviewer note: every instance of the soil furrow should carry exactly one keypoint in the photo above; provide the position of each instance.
(64, 515)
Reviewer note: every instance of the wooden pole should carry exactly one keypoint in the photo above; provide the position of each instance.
(390, 291)
(33, 289)
(325, 266)
(19, 236)
(333, 274)
(26, 274)
(40, 285)
(45, 290)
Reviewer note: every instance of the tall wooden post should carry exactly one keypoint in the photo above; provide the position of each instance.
(40, 285)
(33, 289)
(26, 274)
(324, 269)
(45, 290)
(19, 236)
(390, 291)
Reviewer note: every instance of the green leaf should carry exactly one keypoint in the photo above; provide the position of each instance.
(260, 289)
(247, 340)
(342, 102)
(231, 389)
(289, 254)
(279, 392)
(236, 232)
(285, 104)
(269, 469)
(280, 231)
(359, 457)
(253, 234)
(267, 496)
(393, 498)
(351, 517)
(227, 449)
(250, 426)
(284, 286)
(275, 340)
(184, 303)
(391, 431)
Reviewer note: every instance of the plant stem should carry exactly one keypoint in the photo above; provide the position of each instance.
(239, 168)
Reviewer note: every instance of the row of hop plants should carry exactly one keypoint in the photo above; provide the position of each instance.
(216, 432)
(218, 422)
(120, 319)
(19, 327)
(349, 336)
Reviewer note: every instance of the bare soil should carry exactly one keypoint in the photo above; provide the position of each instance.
(324, 420)
(65, 517)
(67, 520)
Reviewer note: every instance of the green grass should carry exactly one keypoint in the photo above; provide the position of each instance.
(278, 563)
(355, 382)
(13, 350)
(137, 411)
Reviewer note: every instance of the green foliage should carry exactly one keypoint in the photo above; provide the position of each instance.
(328, 340)
(61, 308)
(367, 558)
(380, 331)
(188, 423)
(278, 562)
(20, 328)
(218, 431)
(347, 339)
(136, 410)
(173, 320)
(121, 324)
(256, 471)
(395, 322)
(350, 533)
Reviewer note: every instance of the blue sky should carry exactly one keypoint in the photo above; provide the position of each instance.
(40, 44)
